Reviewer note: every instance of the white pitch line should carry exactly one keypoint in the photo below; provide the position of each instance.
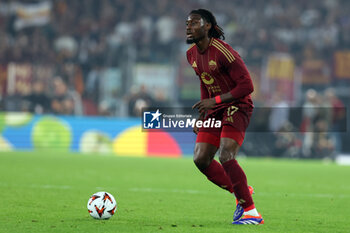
(49, 186)
(317, 195)
(39, 186)
(153, 190)
(188, 191)
(312, 195)
(43, 186)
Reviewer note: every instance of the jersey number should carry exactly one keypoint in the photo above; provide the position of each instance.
(231, 110)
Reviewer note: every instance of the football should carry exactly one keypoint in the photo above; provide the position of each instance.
(102, 205)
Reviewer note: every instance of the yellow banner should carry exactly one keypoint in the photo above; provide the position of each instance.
(280, 67)
(342, 64)
(315, 72)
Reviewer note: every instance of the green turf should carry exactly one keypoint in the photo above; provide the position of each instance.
(48, 192)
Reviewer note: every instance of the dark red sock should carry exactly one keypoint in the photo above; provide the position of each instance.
(216, 174)
(239, 182)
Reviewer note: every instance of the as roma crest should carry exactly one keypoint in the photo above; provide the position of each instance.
(212, 65)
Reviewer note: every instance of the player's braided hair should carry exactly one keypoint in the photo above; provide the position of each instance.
(215, 31)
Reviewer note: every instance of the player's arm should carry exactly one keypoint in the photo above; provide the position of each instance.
(238, 72)
(244, 87)
(240, 75)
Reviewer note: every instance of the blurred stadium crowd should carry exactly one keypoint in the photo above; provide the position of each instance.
(113, 57)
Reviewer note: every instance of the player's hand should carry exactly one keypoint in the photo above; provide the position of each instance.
(195, 128)
(204, 105)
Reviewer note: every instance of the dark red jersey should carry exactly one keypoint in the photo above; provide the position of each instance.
(220, 70)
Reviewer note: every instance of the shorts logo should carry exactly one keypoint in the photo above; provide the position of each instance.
(207, 78)
(151, 120)
(212, 65)
(229, 119)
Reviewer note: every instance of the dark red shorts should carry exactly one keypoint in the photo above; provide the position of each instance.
(234, 122)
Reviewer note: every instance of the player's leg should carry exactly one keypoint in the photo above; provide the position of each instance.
(231, 140)
(206, 146)
(228, 150)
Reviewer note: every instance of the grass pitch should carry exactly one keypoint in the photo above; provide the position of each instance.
(48, 192)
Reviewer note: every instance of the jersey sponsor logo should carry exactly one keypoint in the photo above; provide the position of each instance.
(227, 53)
(194, 64)
(212, 65)
(214, 89)
(207, 78)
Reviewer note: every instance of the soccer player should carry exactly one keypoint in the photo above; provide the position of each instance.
(225, 86)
